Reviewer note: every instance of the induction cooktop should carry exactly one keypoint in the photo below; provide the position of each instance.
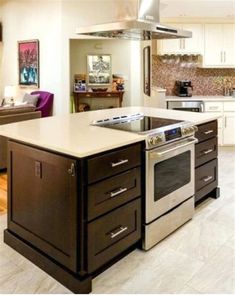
(137, 123)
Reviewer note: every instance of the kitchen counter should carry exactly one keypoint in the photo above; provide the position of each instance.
(201, 98)
(73, 135)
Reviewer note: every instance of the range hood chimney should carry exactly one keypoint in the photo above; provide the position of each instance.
(144, 25)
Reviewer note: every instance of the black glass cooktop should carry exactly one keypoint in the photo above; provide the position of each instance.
(139, 124)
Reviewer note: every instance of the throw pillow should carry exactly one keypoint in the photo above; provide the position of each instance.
(31, 99)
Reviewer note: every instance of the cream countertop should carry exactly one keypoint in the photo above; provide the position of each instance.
(201, 98)
(73, 135)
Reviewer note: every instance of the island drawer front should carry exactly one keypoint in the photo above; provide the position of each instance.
(112, 163)
(206, 175)
(207, 131)
(111, 193)
(113, 233)
(206, 151)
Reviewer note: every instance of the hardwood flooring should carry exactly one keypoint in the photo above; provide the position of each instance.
(198, 258)
(3, 193)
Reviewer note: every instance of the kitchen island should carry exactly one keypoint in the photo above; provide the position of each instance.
(59, 215)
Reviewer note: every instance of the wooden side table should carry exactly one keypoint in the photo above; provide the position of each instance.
(96, 95)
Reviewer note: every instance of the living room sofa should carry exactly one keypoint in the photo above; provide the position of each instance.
(11, 115)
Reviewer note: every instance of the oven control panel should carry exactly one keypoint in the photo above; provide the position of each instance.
(170, 135)
(188, 131)
(173, 134)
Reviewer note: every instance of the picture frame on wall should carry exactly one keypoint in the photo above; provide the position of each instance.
(28, 63)
(99, 69)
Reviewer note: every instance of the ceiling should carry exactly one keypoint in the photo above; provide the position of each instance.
(198, 8)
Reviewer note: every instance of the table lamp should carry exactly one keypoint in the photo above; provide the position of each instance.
(9, 93)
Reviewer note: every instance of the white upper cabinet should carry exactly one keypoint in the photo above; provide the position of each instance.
(192, 45)
(229, 44)
(219, 45)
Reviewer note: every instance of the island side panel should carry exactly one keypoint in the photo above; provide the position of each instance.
(42, 201)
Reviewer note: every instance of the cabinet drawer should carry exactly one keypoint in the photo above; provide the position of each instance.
(229, 106)
(213, 107)
(112, 163)
(205, 151)
(206, 177)
(207, 131)
(113, 192)
(113, 233)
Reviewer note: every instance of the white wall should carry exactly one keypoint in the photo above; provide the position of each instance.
(25, 20)
(54, 23)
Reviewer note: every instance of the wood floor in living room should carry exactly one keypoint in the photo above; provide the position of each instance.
(3, 193)
(197, 258)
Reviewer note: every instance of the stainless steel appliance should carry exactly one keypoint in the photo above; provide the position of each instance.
(183, 88)
(169, 181)
(193, 106)
(137, 20)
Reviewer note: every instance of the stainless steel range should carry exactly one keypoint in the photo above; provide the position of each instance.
(169, 181)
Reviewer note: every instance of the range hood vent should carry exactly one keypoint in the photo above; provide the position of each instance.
(143, 26)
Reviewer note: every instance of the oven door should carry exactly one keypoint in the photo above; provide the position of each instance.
(169, 177)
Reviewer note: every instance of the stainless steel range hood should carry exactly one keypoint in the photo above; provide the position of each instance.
(143, 25)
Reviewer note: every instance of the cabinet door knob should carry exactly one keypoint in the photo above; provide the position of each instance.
(72, 170)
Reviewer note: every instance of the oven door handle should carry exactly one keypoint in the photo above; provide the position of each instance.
(162, 153)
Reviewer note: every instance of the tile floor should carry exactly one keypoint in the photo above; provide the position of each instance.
(198, 258)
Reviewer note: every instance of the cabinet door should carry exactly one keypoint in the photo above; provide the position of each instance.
(43, 202)
(213, 45)
(172, 45)
(194, 44)
(229, 128)
(229, 45)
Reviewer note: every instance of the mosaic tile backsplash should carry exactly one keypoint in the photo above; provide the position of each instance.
(207, 82)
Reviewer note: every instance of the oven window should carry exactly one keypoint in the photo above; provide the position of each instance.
(171, 174)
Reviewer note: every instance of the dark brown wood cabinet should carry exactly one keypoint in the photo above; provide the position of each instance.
(206, 163)
(108, 194)
(70, 218)
(42, 201)
(113, 233)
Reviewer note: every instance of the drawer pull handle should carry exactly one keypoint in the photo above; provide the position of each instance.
(208, 151)
(207, 178)
(117, 192)
(208, 132)
(121, 230)
(121, 162)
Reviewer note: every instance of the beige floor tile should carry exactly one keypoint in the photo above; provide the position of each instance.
(187, 290)
(163, 272)
(218, 274)
(200, 239)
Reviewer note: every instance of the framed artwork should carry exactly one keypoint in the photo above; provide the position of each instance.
(28, 57)
(99, 69)
(146, 74)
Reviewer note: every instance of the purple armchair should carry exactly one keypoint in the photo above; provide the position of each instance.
(45, 102)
